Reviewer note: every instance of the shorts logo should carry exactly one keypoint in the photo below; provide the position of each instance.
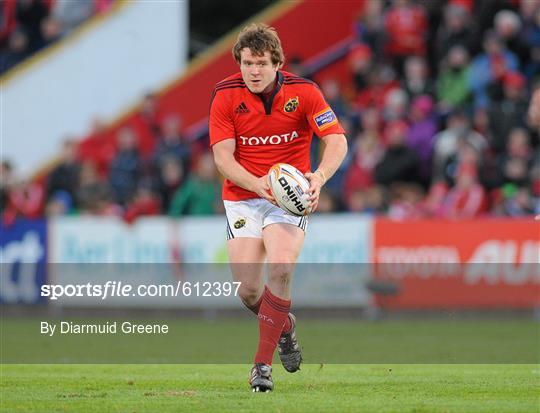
(325, 118)
(291, 104)
(240, 222)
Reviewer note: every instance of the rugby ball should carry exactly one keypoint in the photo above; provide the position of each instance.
(289, 187)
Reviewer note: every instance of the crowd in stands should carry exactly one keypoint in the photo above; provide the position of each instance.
(436, 108)
(27, 26)
(148, 168)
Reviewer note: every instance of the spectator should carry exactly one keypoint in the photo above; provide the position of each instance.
(371, 122)
(40, 23)
(508, 113)
(367, 153)
(417, 81)
(421, 132)
(533, 112)
(380, 82)
(534, 177)
(508, 26)
(332, 92)
(466, 156)
(17, 50)
(456, 31)
(98, 148)
(447, 141)
(327, 202)
(146, 123)
(432, 205)
(25, 199)
(72, 13)
(405, 202)
(530, 35)
(406, 27)
(335, 183)
(298, 67)
(360, 65)
(144, 203)
(126, 168)
(467, 199)
(6, 183)
(516, 201)
(453, 88)
(481, 121)
(370, 28)
(65, 176)
(519, 144)
(514, 164)
(94, 194)
(395, 105)
(8, 20)
(30, 14)
(485, 11)
(399, 163)
(200, 194)
(370, 200)
(59, 203)
(51, 30)
(490, 67)
(172, 143)
(515, 171)
(171, 177)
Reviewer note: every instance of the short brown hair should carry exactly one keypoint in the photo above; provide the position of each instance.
(259, 38)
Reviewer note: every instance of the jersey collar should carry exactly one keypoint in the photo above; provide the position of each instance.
(270, 100)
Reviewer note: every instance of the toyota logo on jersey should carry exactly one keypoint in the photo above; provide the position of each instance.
(269, 139)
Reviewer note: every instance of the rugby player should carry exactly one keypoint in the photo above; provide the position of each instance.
(260, 116)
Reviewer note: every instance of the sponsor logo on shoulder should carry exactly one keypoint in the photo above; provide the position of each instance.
(325, 118)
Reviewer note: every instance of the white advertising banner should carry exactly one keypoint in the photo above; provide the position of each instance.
(190, 255)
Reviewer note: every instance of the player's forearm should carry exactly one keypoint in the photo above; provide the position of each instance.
(231, 169)
(333, 154)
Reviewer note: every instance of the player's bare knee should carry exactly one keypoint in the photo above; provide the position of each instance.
(281, 273)
(249, 294)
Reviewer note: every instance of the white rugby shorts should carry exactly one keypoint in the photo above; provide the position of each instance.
(247, 218)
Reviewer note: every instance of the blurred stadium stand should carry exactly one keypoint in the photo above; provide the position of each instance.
(469, 154)
(443, 164)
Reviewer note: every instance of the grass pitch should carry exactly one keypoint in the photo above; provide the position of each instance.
(400, 377)
(316, 388)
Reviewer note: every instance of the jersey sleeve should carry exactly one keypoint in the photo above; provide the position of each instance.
(322, 119)
(221, 125)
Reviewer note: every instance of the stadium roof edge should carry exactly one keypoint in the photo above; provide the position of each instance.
(210, 54)
(47, 52)
(265, 16)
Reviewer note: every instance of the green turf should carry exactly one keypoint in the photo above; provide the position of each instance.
(316, 388)
(323, 341)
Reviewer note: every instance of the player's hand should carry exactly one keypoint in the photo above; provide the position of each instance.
(262, 188)
(316, 181)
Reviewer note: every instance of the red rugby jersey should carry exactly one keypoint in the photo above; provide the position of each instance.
(279, 130)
